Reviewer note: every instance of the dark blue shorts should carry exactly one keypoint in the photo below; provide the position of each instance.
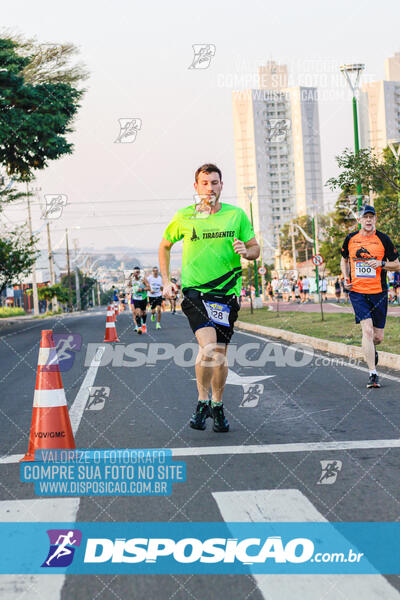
(370, 306)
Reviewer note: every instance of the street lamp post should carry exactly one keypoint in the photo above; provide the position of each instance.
(293, 247)
(349, 72)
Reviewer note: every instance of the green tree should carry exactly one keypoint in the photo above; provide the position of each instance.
(106, 297)
(387, 202)
(376, 173)
(372, 171)
(49, 292)
(34, 118)
(49, 63)
(86, 284)
(17, 255)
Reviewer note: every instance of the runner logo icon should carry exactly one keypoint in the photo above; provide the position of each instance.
(329, 471)
(62, 547)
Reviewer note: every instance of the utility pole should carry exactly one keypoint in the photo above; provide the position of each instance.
(51, 264)
(250, 190)
(77, 286)
(69, 274)
(34, 282)
(249, 278)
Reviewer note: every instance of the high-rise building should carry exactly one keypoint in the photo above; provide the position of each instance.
(380, 108)
(277, 152)
(392, 67)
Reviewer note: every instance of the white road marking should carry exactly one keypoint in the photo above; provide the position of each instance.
(236, 379)
(292, 506)
(35, 587)
(78, 406)
(76, 410)
(283, 448)
(266, 448)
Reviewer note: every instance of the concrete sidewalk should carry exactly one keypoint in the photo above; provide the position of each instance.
(386, 359)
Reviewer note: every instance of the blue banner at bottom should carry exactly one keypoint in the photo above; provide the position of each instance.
(218, 548)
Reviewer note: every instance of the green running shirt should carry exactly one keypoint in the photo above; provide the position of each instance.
(137, 293)
(209, 263)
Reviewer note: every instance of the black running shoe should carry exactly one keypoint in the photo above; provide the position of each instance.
(198, 420)
(220, 423)
(373, 381)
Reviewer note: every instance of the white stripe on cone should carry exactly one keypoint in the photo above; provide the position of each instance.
(110, 325)
(47, 356)
(49, 398)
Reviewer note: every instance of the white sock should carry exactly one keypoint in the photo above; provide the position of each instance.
(373, 372)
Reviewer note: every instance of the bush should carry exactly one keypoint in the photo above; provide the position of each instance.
(11, 311)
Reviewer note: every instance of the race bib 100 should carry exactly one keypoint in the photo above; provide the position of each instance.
(364, 270)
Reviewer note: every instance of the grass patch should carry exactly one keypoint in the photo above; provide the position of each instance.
(11, 311)
(338, 327)
(50, 313)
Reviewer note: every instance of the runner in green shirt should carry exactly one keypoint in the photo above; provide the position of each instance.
(139, 287)
(215, 236)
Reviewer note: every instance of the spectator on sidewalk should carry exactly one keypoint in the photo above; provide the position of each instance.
(323, 287)
(396, 287)
(306, 288)
(346, 292)
(338, 290)
(270, 291)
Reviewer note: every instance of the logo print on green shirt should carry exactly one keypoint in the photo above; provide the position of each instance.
(194, 237)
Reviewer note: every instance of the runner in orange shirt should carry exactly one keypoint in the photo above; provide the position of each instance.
(366, 255)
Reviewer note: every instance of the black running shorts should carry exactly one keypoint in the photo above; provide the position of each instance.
(155, 301)
(194, 309)
(140, 304)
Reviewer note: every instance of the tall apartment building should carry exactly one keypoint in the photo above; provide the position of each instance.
(277, 152)
(380, 108)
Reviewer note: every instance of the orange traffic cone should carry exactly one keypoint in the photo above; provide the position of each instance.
(50, 426)
(111, 307)
(116, 311)
(111, 332)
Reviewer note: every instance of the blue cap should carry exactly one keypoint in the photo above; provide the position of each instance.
(367, 209)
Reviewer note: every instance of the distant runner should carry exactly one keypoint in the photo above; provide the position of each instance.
(174, 295)
(115, 294)
(140, 287)
(155, 296)
(215, 236)
(365, 256)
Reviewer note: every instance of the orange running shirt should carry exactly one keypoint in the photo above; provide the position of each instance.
(359, 249)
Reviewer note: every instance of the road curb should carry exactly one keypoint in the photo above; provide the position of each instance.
(386, 359)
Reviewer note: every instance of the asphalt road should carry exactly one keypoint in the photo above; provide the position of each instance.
(292, 400)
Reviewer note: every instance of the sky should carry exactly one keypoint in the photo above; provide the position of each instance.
(138, 55)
